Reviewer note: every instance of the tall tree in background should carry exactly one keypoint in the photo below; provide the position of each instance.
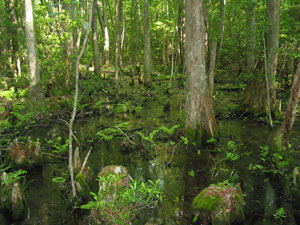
(3, 41)
(119, 18)
(261, 97)
(34, 76)
(95, 41)
(251, 45)
(216, 35)
(106, 34)
(147, 46)
(13, 31)
(180, 33)
(221, 26)
(200, 119)
(272, 45)
(104, 27)
(133, 36)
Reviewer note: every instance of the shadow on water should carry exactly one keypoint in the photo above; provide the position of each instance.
(48, 202)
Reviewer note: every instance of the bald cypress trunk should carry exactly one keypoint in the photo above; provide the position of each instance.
(34, 75)
(95, 42)
(200, 121)
(133, 37)
(256, 94)
(290, 113)
(251, 37)
(147, 46)
(119, 18)
(106, 34)
(272, 45)
(13, 31)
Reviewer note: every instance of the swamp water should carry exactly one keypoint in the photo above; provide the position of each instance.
(183, 175)
(48, 205)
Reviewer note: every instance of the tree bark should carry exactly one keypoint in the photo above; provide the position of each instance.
(122, 43)
(3, 42)
(180, 34)
(255, 98)
(76, 100)
(34, 76)
(100, 18)
(106, 35)
(221, 28)
(251, 37)
(200, 121)
(212, 65)
(147, 46)
(95, 42)
(13, 30)
(119, 17)
(272, 45)
(133, 37)
(290, 113)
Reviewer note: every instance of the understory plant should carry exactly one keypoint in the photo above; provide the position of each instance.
(118, 204)
(11, 191)
(163, 133)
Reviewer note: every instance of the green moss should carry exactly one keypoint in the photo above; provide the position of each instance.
(82, 185)
(208, 202)
(224, 202)
(194, 135)
(18, 209)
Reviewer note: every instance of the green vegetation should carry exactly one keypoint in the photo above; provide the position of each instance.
(115, 203)
(199, 95)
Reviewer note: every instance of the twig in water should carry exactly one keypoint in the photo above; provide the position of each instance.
(52, 155)
(125, 135)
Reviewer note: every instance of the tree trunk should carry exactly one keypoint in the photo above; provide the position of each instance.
(76, 100)
(251, 38)
(100, 18)
(34, 76)
(212, 65)
(180, 34)
(79, 31)
(133, 37)
(200, 120)
(119, 17)
(222, 27)
(147, 46)
(3, 42)
(95, 42)
(70, 9)
(272, 44)
(106, 35)
(290, 113)
(122, 43)
(13, 30)
(255, 98)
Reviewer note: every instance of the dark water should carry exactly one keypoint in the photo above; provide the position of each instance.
(47, 202)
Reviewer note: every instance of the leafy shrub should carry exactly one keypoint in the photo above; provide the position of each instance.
(118, 204)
